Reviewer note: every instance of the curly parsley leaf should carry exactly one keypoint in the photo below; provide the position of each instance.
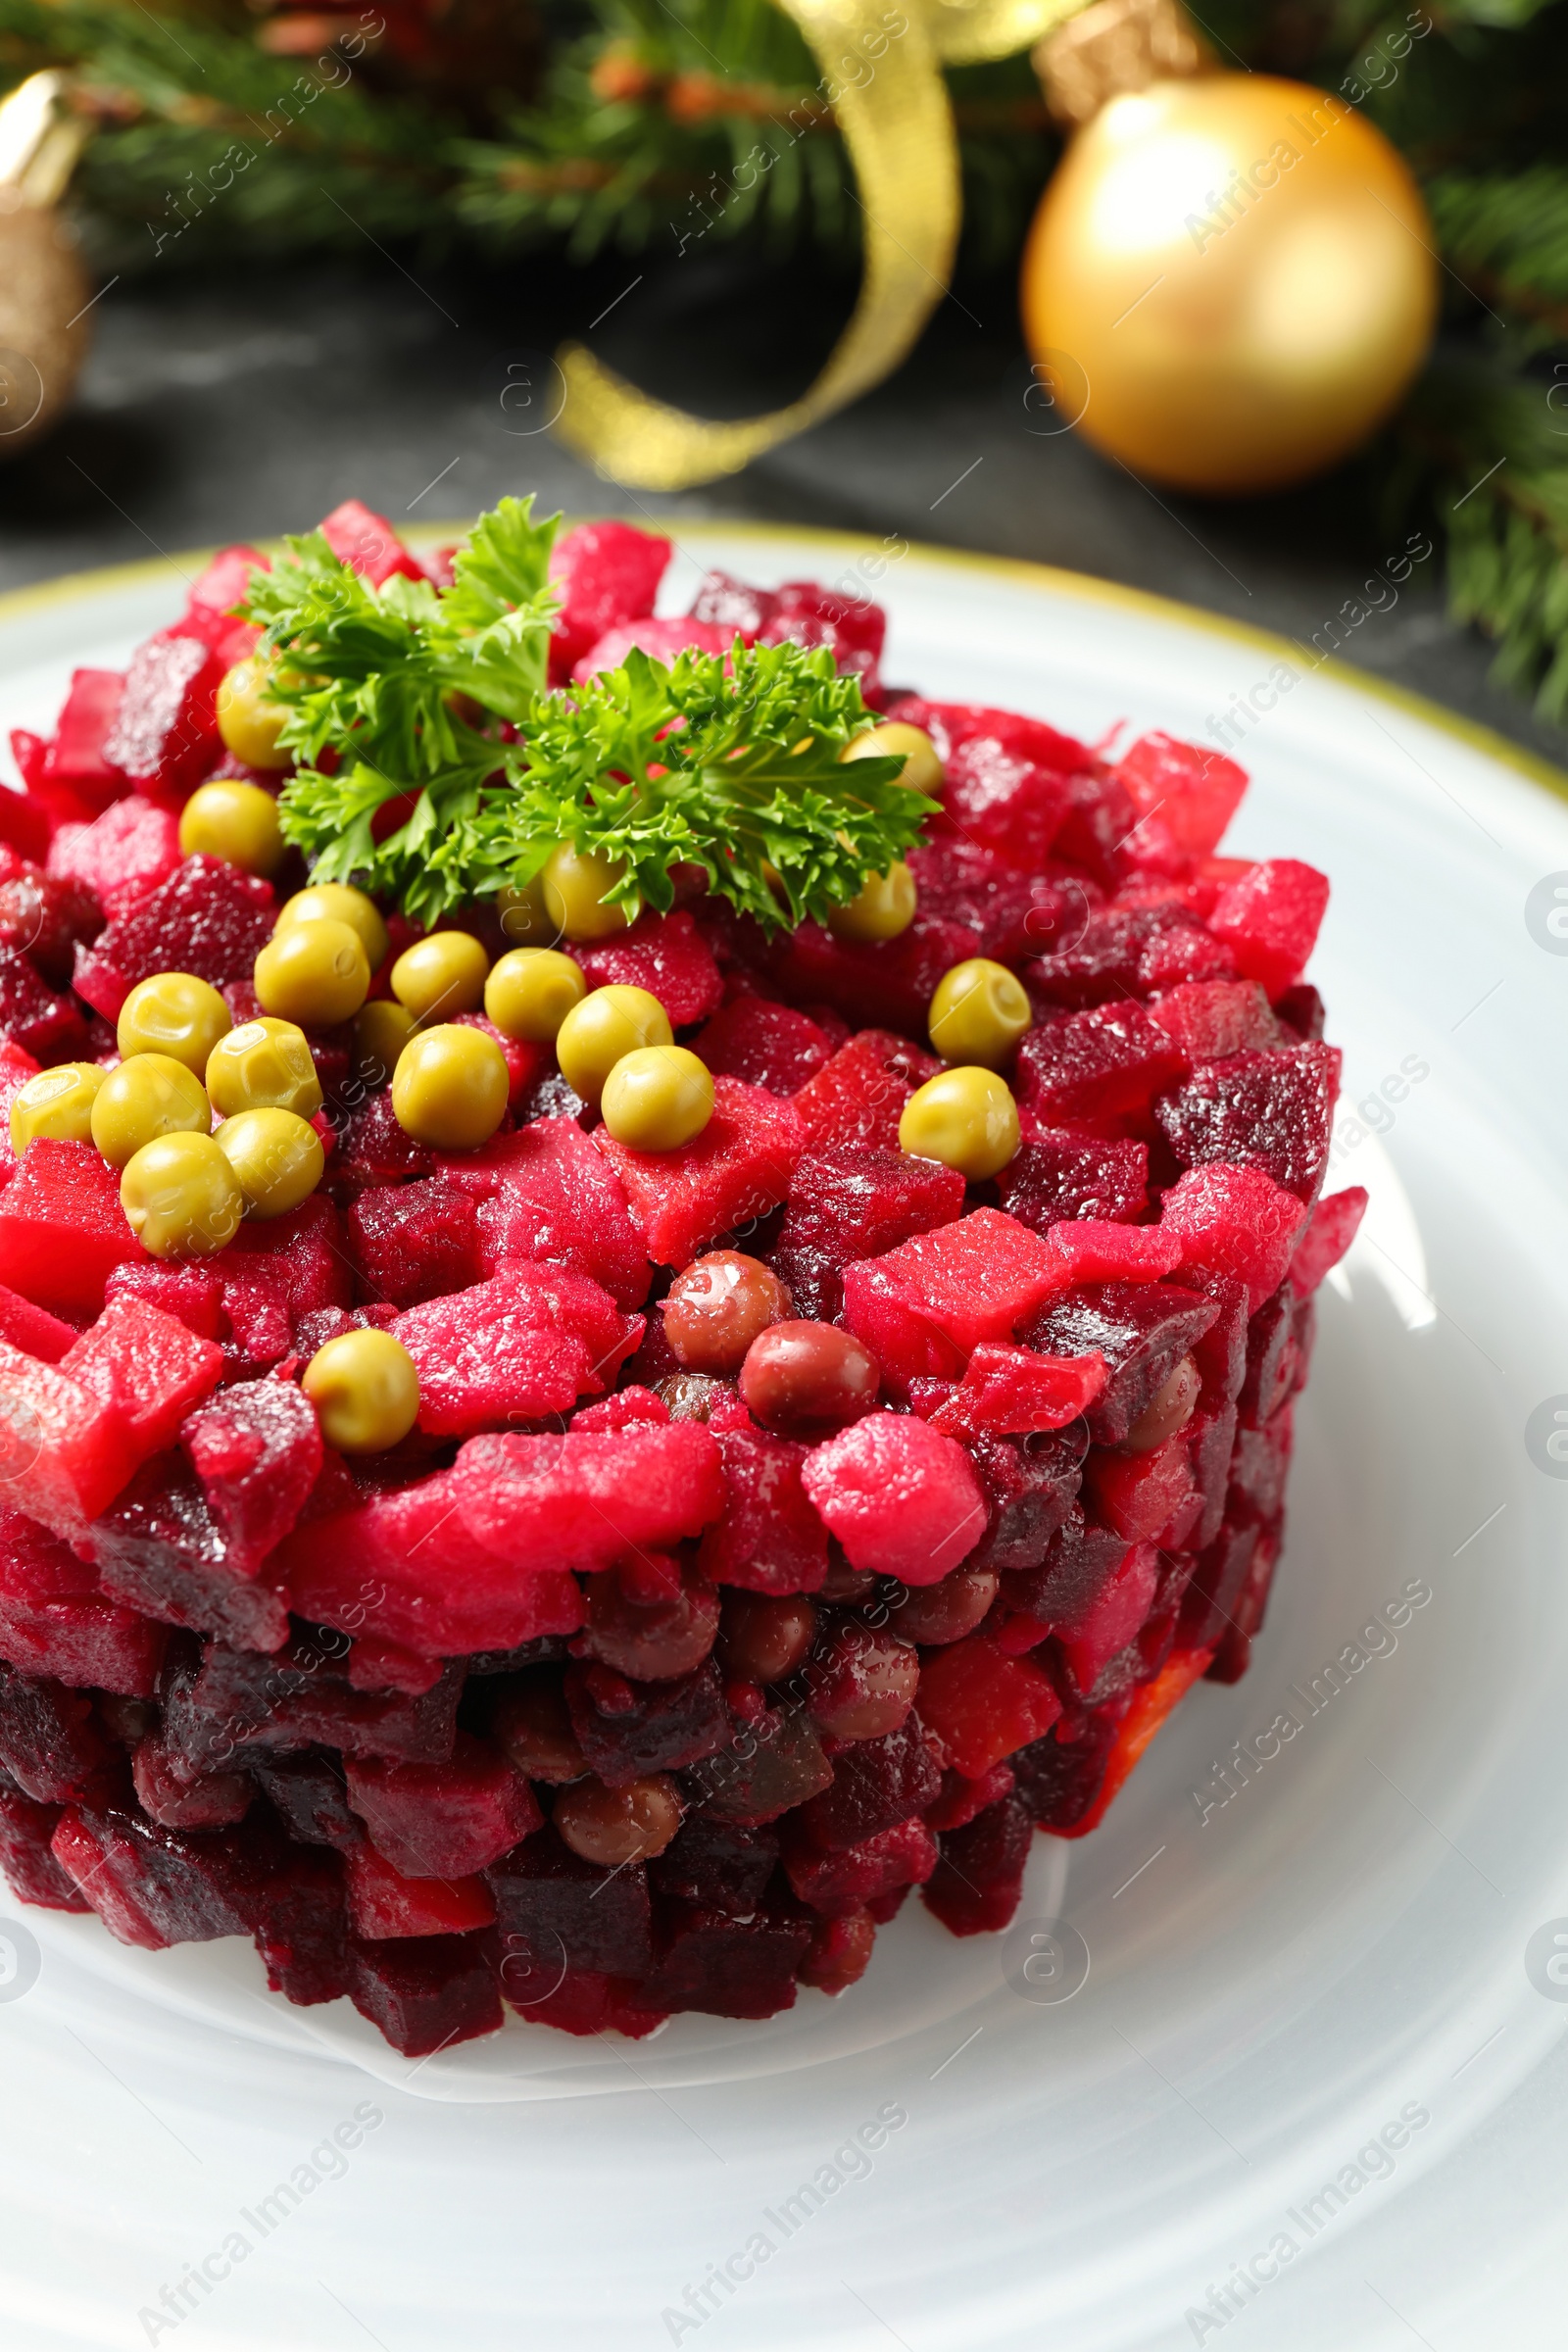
(409, 785)
(730, 763)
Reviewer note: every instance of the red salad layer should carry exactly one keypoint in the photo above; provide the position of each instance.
(250, 1686)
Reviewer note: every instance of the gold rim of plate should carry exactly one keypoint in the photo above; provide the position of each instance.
(77, 586)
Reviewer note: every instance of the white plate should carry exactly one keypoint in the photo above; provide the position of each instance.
(1274, 1981)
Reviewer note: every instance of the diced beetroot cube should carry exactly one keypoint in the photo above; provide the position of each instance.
(374, 1665)
(146, 1364)
(67, 1450)
(77, 759)
(61, 1228)
(426, 1993)
(1335, 1222)
(858, 1097)
(1209, 1019)
(122, 855)
(607, 573)
(45, 1024)
(546, 1194)
(81, 1856)
(207, 918)
(558, 1908)
(739, 1167)
(1013, 912)
(837, 1885)
(737, 608)
(1099, 1064)
(769, 1538)
(212, 1801)
(876, 1784)
(443, 1821)
(50, 1744)
(1271, 918)
(27, 1856)
(79, 1639)
(850, 627)
(764, 1044)
(1093, 1250)
(160, 1550)
(372, 1148)
(525, 1345)
(1059, 1780)
(164, 733)
(576, 2000)
(310, 1796)
(900, 1498)
(996, 795)
(1012, 1391)
(1136, 1494)
(410, 1242)
(924, 1306)
(963, 1798)
(952, 725)
(43, 916)
(981, 1704)
(855, 1202)
(1301, 1014)
(715, 1862)
(525, 1061)
(495, 1533)
(772, 1764)
(1030, 1484)
(302, 1256)
(628, 1730)
(662, 640)
(1229, 1220)
(33, 1329)
(888, 982)
(664, 953)
(1143, 1330)
(1268, 1110)
(383, 1903)
(225, 582)
(406, 1567)
(1098, 829)
(1270, 1347)
(1259, 1464)
(729, 1967)
(236, 1708)
(1054, 1176)
(257, 1449)
(302, 1930)
(1185, 796)
(368, 544)
(1131, 952)
(976, 1888)
(1210, 1442)
(620, 1411)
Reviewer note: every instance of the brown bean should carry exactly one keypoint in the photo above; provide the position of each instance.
(945, 1612)
(763, 1638)
(1171, 1407)
(803, 1378)
(653, 1619)
(860, 1682)
(531, 1727)
(615, 1825)
(716, 1309)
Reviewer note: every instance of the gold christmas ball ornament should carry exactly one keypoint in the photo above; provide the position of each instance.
(1229, 282)
(44, 293)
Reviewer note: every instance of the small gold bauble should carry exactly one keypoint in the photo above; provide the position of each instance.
(1230, 281)
(43, 335)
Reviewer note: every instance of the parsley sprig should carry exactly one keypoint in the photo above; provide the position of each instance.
(729, 764)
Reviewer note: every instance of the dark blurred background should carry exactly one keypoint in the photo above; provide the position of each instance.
(246, 400)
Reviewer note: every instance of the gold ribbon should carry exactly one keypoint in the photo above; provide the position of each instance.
(890, 103)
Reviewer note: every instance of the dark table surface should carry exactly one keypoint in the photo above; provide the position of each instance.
(243, 402)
